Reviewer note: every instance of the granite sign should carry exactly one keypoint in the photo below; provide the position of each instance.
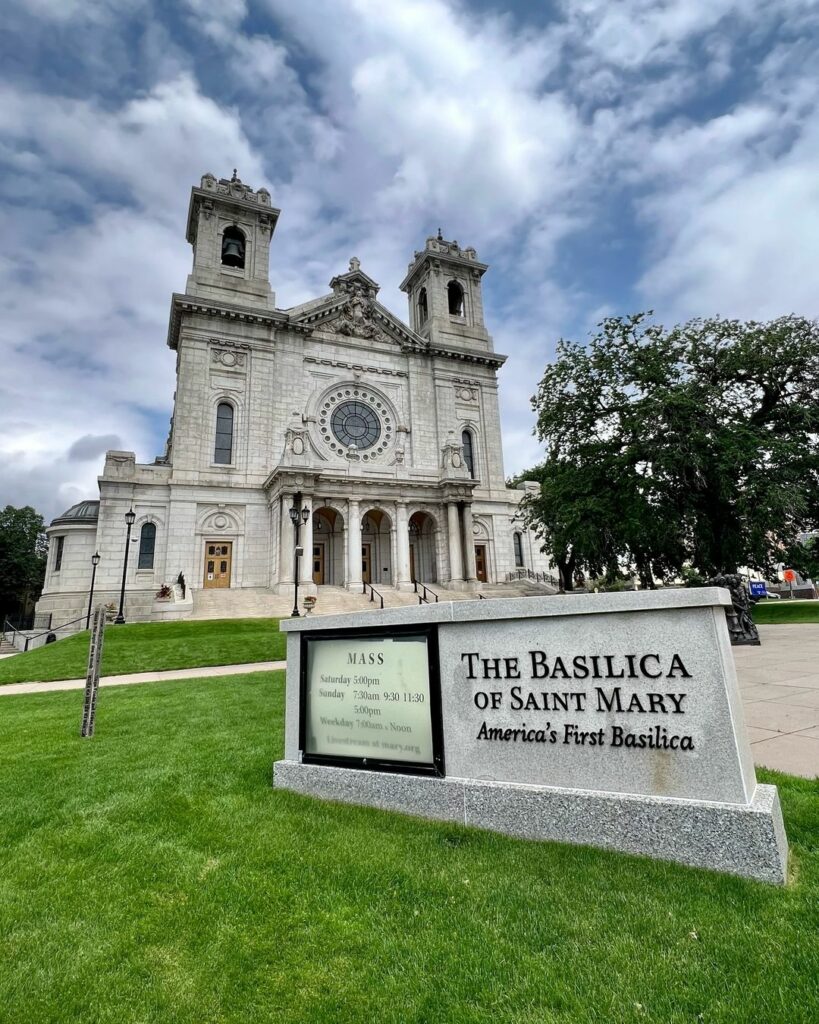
(611, 719)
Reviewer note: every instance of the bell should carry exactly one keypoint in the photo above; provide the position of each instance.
(233, 253)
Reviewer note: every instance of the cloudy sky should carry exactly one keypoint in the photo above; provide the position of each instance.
(604, 156)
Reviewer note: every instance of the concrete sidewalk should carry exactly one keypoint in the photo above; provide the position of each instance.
(779, 683)
(144, 677)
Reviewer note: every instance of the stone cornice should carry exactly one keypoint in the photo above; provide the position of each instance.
(469, 355)
(226, 311)
(314, 482)
(407, 339)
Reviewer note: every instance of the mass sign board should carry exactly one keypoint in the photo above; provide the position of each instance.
(372, 700)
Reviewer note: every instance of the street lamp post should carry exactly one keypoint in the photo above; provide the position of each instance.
(95, 561)
(297, 517)
(130, 516)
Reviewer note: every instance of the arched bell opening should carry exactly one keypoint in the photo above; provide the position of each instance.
(455, 298)
(423, 307)
(328, 547)
(376, 548)
(233, 248)
(422, 541)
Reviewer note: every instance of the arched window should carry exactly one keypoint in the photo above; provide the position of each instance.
(223, 449)
(455, 294)
(423, 307)
(147, 543)
(233, 248)
(517, 541)
(58, 554)
(469, 452)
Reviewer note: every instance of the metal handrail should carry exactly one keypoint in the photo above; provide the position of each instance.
(424, 598)
(481, 597)
(530, 574)
(374, 593)
(9, 628)
(53, 629)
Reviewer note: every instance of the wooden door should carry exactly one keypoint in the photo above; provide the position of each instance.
(366, 563)
(412, 563)
(218, 560)
(480, 562)
(318, 564)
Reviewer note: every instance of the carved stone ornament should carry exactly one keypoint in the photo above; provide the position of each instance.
(295, 440)
(741, 626)
(466, 394)
(357, 315)
(452, 462)
(227, 357)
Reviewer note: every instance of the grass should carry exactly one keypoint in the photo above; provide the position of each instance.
(152, 647)
(152, 874)
(785, 611)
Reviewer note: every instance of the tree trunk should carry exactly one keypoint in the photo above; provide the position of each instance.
(565, 572)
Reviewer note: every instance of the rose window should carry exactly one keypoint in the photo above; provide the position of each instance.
(354, 423)
(354, 416)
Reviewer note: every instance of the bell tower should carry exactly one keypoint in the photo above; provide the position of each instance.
(443, 284)
(230, 227)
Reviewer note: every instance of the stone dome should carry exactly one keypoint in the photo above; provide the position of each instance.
(82, 512)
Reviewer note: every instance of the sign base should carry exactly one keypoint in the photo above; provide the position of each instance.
(746, 840)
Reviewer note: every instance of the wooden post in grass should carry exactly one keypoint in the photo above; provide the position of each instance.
(92, 677)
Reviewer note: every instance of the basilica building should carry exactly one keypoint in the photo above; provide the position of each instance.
(381, 439)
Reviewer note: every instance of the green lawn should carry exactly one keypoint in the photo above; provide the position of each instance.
(151, 874)
(152, 647)
(783, 611)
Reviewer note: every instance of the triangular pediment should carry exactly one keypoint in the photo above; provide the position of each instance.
(353, 312)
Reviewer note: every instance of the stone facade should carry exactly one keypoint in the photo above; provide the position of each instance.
(388, 434)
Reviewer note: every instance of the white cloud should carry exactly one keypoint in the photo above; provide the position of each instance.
(84, 315)
(748, 249)
(373, 123)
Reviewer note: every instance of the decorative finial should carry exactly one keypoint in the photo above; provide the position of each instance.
(440, 236)
(235, 175)
(355, 264)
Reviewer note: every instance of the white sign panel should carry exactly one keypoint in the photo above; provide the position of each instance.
(369, 698)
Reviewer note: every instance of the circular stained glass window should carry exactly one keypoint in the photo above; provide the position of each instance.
(355, 423)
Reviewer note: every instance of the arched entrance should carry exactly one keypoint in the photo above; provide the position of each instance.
(376, 547)
(423, 563)
(328, 547)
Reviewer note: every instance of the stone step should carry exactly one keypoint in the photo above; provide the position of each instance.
(258, 603)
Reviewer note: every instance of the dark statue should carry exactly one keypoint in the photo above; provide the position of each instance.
(180, 579)
(741, 626)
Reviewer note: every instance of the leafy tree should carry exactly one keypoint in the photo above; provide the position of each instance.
(23, 551)
(690, 446)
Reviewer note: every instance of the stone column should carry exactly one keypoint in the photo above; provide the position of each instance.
(345, 568)
(469, 545)
(354, 547)
(285, 540)
(456, 574)
(306, 538)
(393, 548)
(402, 570)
